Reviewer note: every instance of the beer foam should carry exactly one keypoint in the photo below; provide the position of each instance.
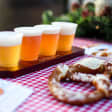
(49, 29)
(29, 31)
(67, 28)
(9, 38)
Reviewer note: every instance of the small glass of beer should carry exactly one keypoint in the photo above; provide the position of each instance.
(31, 43)
(50, 39)
(67, 35)
(10, 48)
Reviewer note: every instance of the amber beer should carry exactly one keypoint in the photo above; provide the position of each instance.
(67, 35)
(50, 39)
(10, 47)
(31, 43)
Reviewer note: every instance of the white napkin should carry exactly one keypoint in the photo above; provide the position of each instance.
(14, 95)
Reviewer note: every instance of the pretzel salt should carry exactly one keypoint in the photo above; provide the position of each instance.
(100, 81)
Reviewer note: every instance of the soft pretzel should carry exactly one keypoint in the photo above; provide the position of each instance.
(100, 81)
(108, 68)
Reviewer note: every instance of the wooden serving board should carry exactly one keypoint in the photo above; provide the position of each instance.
(43, 62)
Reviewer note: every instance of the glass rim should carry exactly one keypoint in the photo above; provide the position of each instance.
(67, 28)
(10, 38)
(29, 31)
(10, 33)
(49, 29)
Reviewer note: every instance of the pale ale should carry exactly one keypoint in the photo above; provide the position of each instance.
(31, 43)
(10, 47)
(50, 39)
(67, 35)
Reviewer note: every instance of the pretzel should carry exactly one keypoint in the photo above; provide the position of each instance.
(100, 81)
(108, 68)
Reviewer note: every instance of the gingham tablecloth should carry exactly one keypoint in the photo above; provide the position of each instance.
(42, 101)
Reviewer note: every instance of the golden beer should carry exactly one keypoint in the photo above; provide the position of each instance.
(65, 42)
(9, 56)
(30, 48)
(30, 44)
(49, 44)
(50, 39)
(10, 47)
(67, 35)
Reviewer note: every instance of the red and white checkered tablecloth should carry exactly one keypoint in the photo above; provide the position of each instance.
(42, 101)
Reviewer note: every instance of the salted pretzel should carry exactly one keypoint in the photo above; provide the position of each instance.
(100, 81)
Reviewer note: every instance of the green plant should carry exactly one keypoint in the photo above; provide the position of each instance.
(47, 17)
(89, 25)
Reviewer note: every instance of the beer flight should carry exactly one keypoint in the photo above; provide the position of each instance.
(28, 43)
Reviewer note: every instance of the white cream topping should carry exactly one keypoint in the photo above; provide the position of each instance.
(92, 63)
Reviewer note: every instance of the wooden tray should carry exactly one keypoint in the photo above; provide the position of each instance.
(43, 62)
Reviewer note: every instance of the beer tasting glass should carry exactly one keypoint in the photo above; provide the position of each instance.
(67, 35)
(31, 43)
(10, 48)
(50, 39)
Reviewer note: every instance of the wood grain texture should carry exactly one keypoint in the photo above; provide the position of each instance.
(43, 62)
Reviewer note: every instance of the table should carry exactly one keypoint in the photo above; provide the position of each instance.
(42, 101)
